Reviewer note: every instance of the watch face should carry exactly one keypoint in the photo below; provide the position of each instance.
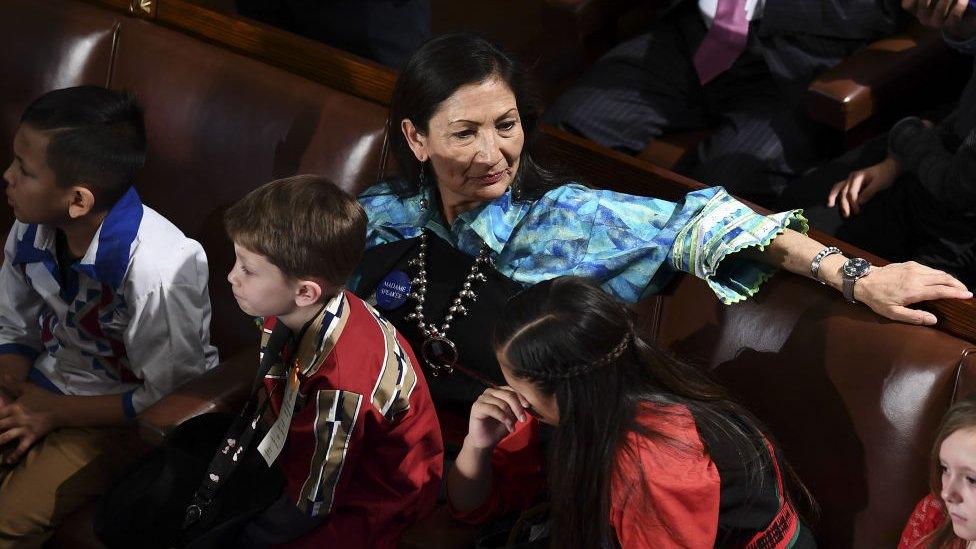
(856, 267)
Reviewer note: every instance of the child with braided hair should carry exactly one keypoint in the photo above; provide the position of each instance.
(646, 450)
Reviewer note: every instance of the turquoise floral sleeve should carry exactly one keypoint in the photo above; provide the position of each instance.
(631, 244)
(390, 218)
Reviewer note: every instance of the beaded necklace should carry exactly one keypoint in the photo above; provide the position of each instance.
(438, 350)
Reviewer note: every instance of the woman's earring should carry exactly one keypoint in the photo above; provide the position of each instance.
(423, 178)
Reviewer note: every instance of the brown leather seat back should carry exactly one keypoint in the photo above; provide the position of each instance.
(220, 125)
(854, 400)
(65, 44)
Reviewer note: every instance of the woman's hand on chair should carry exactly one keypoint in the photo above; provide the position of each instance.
(890, 289)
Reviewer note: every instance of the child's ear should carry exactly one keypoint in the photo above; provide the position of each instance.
(309, 292)
(82, 202)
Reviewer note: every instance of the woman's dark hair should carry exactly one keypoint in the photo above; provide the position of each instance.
(432, 74)
(98, 138)
(574, 341)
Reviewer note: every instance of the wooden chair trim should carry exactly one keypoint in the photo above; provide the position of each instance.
(348, 73)
(307, 58)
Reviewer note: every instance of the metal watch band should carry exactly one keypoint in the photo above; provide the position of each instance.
(815, 264)
(849, 289)
(853, 270)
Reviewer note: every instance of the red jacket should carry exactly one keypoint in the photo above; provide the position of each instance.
(927, 517)
(364, 451)
(662, 495)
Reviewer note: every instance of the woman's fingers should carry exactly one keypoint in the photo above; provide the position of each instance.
(947, 279)
(891, 289)
(929, 293)
(912, 316)
(933, 275)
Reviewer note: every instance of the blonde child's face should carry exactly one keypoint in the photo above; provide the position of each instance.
(957, 458)
(260, 288)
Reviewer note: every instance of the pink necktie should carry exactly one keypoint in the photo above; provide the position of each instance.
(724, 42)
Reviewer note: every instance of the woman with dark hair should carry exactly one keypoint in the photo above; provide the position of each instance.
(652, 452)
(473, 218)
(946, 518)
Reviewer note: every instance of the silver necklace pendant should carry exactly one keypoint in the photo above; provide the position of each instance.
(439, 352)
(441, 355)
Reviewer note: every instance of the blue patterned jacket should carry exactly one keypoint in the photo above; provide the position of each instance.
(631, 244)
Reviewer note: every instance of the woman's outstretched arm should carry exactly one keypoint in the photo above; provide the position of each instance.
(887, 290)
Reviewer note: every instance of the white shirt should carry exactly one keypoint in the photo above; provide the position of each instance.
(754, 9)
(138, 323)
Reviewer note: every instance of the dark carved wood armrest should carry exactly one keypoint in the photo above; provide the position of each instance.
(883, 74)
(223, 388)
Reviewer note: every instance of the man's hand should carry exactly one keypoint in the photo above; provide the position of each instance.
(948, 15)
(27, 418)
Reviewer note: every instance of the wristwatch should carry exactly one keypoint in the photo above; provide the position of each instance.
(815, 264)
(855, 268)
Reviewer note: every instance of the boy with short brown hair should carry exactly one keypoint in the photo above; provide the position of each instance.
(363, 451)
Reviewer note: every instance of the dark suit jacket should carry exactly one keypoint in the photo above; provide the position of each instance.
(943, 158)
(802, 38)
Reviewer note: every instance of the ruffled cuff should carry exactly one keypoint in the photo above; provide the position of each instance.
(723, 227)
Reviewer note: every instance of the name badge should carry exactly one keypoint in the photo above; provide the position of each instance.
(270, 448)
(393, 290)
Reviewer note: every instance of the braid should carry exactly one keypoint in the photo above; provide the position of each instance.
(550, 374)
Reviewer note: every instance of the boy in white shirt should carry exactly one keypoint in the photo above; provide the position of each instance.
(103, 307)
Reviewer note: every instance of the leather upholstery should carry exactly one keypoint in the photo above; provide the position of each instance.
(220, 125)
(854, 400)
(70, 44)
(888, 75)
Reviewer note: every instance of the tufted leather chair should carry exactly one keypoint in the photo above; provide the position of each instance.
(71, 45)
(220, 125)
(853, 399)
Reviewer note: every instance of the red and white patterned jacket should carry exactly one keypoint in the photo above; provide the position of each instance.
(363, 455)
